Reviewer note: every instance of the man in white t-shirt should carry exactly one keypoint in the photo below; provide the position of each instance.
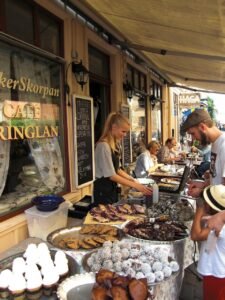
(201, 127)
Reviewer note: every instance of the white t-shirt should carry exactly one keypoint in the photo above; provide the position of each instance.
(103, 161)
(213, 263)
(143, 164)
(217, 166)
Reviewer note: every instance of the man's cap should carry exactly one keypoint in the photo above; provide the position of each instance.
(196, 117)
(214, 195)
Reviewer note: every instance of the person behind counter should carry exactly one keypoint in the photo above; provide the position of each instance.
(167, 154)
(147, 161)
(211, 264)
(107, 162)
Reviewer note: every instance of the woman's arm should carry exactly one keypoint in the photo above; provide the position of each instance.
(198, 232)
(125, 175)
(131, 183)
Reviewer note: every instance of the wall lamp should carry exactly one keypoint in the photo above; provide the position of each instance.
(80, 72)
(128, 88)
(141, 101)
(154, 101)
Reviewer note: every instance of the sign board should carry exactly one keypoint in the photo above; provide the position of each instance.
(83, 122)
(189, 99)
(126, 144)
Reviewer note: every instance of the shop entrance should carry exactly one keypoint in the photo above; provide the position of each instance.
(99, 78)
(100, 94)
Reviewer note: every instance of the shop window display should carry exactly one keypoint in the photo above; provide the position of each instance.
(31, 138)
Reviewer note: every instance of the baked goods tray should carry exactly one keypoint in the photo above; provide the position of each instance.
(87, 269)
(155, 242)
(77, 287)
(181, 239)
(42, 294)
(78, 240)
(89, 219)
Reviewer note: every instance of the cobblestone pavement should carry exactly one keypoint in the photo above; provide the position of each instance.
(192, 285)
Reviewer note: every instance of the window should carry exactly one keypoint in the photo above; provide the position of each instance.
(18, 17)
(138, 110)
(138, 131)
(156, 105)
(27, 21)
(136, 79)
(49, 33)
(31, 128)
(98, 63)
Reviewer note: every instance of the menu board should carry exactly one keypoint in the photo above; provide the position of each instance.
(83, 140)
(127, 150)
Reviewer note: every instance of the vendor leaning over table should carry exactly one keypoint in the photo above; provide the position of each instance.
(107, 162)
(147, 161)
(167, 154)
(201, 127)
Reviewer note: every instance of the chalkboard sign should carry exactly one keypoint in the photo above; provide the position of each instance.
(127, 150)
(83, 140)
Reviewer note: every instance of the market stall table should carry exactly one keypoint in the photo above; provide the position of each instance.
(182, 251)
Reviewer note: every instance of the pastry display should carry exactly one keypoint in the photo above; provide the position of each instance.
(137, 260)
(176, 210)
(5, 279)
(85, 237)
(37, 269)
(107, 213)
(111, 285)
(156, 230)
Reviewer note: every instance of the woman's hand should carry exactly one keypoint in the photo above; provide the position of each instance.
(144, 189)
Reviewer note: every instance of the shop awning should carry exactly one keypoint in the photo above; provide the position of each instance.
(185, 40)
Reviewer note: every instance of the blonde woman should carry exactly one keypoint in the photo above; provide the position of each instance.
(107, 162)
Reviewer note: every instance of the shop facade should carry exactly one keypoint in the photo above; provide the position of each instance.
(38, 95)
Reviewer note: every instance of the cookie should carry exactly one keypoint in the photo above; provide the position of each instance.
(90, 241)
(84, 245)
(99, 239)
(73, 243)
(88, 229)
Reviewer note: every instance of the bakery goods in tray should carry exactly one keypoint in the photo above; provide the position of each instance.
(38, 270)
(89, 237)
(137, 260)
(156, 230)
(110, 285)
(176, 210)
(107, 213)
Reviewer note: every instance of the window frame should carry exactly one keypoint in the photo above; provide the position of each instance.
(37, 12)
(36, 51)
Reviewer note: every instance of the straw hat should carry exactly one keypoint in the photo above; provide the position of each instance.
(214, 195)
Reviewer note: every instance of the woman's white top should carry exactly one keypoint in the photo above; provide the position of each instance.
(143, 164)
